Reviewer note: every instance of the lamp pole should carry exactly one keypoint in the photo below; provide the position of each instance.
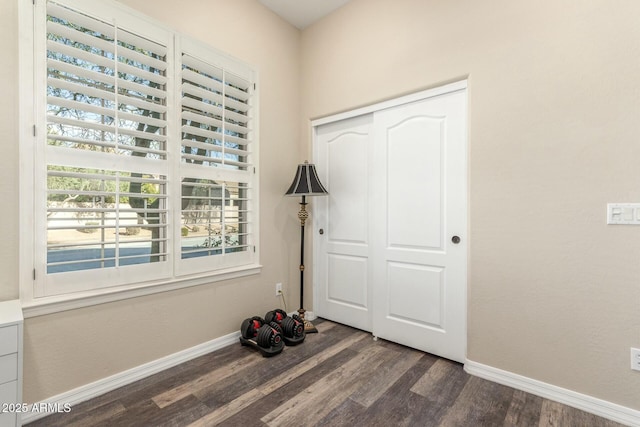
(302, 216)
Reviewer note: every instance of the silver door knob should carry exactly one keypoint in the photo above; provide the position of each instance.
(455, 240)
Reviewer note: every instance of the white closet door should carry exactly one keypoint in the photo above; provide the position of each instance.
(420, 272)
(342, 250)
(392, 258)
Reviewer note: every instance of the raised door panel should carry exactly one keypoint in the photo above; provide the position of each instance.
(417, 296)
(348, 281)
(414, 183)
(347, 179)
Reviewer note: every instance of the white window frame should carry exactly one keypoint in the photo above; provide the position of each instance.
(32, 169)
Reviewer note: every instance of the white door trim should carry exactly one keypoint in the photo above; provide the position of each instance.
(429, 93)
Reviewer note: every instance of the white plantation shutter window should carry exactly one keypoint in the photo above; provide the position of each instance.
(216, 163)
(144, 172)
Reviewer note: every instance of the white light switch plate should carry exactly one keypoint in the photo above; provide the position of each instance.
(635, 359)
(623, 213)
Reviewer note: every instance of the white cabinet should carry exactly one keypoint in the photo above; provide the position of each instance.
(11, 321)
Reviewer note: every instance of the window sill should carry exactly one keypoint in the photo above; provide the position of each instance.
(50, 305)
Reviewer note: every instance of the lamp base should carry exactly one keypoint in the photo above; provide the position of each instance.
(308, 326)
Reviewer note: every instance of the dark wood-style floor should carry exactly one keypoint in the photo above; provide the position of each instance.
(338, 377)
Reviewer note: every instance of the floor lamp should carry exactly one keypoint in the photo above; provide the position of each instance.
(306, 183)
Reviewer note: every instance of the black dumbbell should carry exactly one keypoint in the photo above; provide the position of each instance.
(292, 327)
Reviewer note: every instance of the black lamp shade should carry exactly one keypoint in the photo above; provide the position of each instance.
(306, 182)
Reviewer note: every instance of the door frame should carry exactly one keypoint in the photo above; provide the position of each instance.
(370, 109)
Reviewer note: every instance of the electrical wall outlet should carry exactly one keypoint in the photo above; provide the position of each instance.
(635, 359)
(278, 289)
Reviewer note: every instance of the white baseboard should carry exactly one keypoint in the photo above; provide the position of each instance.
(97, 388)
(602, 408)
